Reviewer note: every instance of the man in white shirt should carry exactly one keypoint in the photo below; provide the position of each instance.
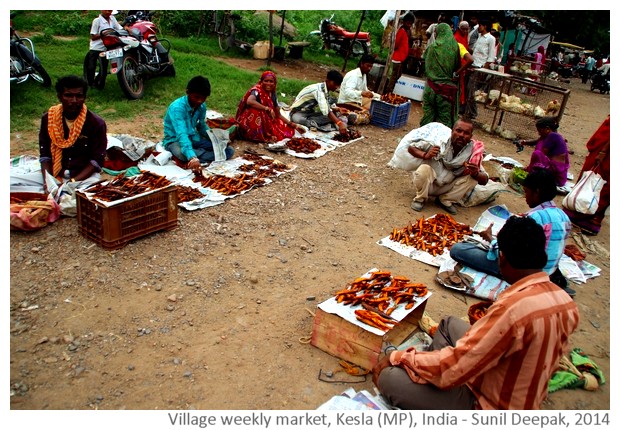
(484, 56)
(354, 87)
(104, 21)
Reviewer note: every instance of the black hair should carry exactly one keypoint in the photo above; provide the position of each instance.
(199, 85)
(335, 76)
(522, 242)
(409, 17)
(547, 121)
(543, 182)
(486, 23)
(71, 82)
(366, 58)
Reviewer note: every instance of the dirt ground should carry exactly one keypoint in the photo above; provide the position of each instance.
(216, 314)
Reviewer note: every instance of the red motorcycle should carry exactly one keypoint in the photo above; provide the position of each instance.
(340, 40)
(137, 54)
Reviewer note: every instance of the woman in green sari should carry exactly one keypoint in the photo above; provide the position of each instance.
(441, 60)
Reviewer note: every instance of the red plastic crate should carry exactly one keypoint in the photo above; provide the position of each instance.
(112, 227)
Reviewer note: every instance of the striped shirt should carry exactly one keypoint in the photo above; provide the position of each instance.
(556, 225)
(311, 96)
(508, 356)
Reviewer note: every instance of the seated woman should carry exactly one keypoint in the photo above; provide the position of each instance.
(355, 97)
(259, 116)
(551, 152)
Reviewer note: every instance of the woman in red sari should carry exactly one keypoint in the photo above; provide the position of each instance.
(259, 116)
(598, 154)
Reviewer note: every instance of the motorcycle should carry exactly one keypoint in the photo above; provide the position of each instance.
(24, 62)
(136, 54)
(600, 82)
(340, 40)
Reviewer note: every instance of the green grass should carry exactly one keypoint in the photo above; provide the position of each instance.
(30, 100)
(61, 42)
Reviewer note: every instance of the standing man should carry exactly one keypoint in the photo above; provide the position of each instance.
(484, 56)
(473, 33)
(590, 62)
(449, 174)
(431, 30)
(185, 127)
(402, 47)
(103, 22)
(506, 358)
(303, 109)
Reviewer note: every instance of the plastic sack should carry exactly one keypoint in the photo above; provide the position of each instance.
(432, 134)
(585, 195)
(219, 138)
(33, 214)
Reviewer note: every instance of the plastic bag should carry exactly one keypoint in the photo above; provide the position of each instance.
(432, 134)
(585, 195)
(33, 214)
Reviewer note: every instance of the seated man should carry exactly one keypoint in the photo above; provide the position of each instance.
(72, 142)
(506, 358)
(303, 109)
(185, 128)
(354, 93)
(540, 190)
(448, 173)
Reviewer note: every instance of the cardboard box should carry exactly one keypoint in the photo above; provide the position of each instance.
(343, 339)
(410, 87)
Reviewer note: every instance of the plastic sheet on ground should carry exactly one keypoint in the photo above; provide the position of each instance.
(211, 197)
(484, 286)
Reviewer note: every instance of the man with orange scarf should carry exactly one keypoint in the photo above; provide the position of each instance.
(72, 139)
(72, 144)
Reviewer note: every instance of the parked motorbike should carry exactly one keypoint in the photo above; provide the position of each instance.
(340, 40)
(137, 54)
(600, 82)
(24, 62)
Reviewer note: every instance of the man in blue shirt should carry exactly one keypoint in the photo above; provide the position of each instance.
(540, 190)
(185, 129)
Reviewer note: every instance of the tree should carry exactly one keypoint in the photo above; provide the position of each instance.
(588, 28)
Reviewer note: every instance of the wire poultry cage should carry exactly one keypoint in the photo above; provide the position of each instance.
(510, 105)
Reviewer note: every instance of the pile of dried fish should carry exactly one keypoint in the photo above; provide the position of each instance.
(393, 99)
(380, 294)
(122, 187)
(431, 234)
(348, 136)
(303, 145)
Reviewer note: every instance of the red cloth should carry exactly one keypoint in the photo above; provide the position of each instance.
(258, 125)
(462, 39)
(401, 46)
(598, 143)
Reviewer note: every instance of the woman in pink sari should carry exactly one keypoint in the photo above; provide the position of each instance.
(539, 57)
(259, 116)
(551, 152)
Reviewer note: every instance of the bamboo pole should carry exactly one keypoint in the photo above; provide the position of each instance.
(389, 59)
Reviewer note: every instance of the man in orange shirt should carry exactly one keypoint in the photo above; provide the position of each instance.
(402, 47)
(506, 358)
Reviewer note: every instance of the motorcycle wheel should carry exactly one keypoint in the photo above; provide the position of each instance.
(131, 82)
(359, 48)
(41, 76)
(225, 32)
